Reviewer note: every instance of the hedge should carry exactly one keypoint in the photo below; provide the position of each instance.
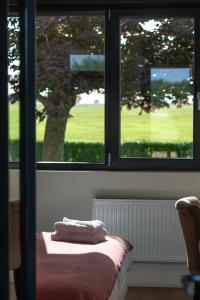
(94, 152)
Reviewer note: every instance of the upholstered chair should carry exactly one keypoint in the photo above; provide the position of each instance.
(189, 215)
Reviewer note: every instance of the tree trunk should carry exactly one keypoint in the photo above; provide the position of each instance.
(54, 138)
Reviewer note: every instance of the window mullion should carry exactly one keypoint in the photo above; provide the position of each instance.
(108, 56)
(196, 134)
(115, 88)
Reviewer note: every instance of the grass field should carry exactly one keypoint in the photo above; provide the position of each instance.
(87, 124)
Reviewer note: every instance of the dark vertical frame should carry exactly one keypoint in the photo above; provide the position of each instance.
(108, 55)
(196, 135)
(4, 186)
(115, 87)
(27, 148)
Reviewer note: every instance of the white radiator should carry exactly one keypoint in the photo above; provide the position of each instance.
(151, 225)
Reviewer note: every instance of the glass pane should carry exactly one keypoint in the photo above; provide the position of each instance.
(13, 87)
(70, 88)
(13, 96)
(157, 87)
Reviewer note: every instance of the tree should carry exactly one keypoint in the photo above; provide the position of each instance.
(59, 82)
(168, 92)
(57, 39)
(169, 44)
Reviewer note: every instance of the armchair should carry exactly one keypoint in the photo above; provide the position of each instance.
(189, 215)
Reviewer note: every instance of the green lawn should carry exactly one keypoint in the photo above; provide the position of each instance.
(167, 125)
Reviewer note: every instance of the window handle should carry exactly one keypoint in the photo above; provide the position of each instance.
(198, 100)
(109, 159)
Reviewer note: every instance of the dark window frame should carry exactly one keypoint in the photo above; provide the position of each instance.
(112, 70)
(153, 164)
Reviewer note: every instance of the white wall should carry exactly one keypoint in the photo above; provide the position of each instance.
(70, 193)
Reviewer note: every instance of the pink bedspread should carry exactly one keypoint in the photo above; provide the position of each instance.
(71, 271)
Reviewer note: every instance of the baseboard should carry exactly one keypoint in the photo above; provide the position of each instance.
(154, 280)
(156, 274)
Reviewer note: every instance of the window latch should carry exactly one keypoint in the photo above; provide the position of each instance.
(109, 159)
(198, 100)
(109, 14)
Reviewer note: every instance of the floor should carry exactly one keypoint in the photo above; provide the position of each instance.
(149, 293)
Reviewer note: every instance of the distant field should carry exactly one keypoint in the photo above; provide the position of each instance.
(87, 124)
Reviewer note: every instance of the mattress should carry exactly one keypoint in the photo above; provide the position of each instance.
(72, 271)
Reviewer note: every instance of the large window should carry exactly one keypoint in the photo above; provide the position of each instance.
(155, 101)
(70, 70)
(116, 89)
(70, 87)
(157, 67)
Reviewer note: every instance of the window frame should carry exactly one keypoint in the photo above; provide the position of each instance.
(113, 161)
(153, 164)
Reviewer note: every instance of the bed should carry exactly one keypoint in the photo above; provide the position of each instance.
(73, 271)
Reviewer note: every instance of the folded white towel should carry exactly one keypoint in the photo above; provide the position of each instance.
(79, 231)
(95, 224)
(78, 237)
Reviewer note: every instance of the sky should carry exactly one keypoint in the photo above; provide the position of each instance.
(170, 74)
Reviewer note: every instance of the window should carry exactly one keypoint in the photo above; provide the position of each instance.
(70, 87)
(156, 80)
(117, 90)
(157, 86)
(13, 87)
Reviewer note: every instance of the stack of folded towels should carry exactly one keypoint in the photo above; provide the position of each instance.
(78, 231)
